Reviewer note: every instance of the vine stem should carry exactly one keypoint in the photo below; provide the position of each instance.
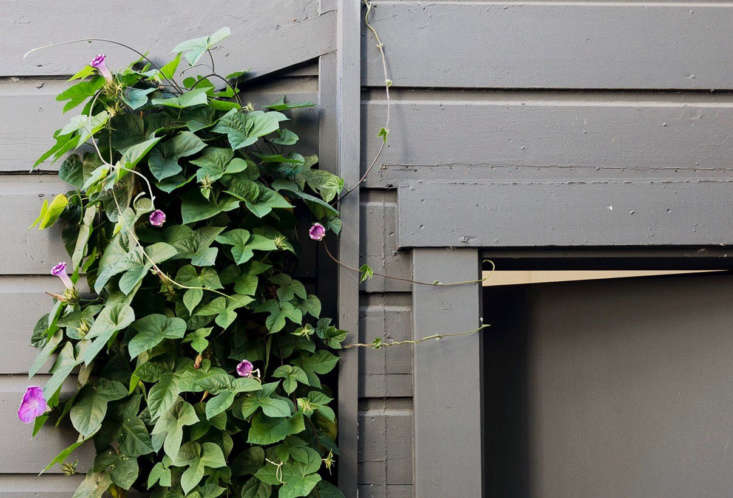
(387, 84)
(101, 158)
(433, 337)
(234, 90)
(278, 469)
(436, 283)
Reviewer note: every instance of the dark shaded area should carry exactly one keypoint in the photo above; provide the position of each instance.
(505, 403)
(609, 388)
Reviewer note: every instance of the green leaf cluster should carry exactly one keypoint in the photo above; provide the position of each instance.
(174, 309)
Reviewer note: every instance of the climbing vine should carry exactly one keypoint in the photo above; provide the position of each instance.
(194, 358)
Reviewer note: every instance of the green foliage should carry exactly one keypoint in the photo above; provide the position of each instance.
(176, 308)
(366, 272)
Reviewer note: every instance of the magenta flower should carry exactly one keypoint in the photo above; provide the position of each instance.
(33, 405)
(99, 64)
(157, 218)
(317, 231)
(245, 367)
(60, 271)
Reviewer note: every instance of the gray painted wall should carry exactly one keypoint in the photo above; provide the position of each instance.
(495, 104)
(533, 124)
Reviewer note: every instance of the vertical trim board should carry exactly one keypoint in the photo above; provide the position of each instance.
(348, 106)
(447, 376)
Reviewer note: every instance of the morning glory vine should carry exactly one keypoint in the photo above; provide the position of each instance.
(198, 360)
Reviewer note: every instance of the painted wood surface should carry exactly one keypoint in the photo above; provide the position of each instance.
(28, 251)
(22, 302)
(379, 249)
(32, 114)
(386, 372)
(276, 34)
(22, 454)
(347, 105)
(469, 213)
(385, 429)
(447, 373)
(549, 135)
(482, 44)
(32, 486)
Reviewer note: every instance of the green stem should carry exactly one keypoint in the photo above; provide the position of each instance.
(436, 283)
(433, 337)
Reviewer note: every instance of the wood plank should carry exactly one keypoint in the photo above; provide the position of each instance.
(386, 372)
(553, 45)
(386, 432)
(544, 135)
(28, 251)
(33, 114)
(606, 213)
(447, 377)
(379, 243)
(32, 486)
(386, 491)
(22, 303)
(347, 106)
(29, 456)
(276, 34)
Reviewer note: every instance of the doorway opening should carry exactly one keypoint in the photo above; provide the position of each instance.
(614, 386)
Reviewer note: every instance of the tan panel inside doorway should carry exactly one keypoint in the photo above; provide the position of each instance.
(522, 277)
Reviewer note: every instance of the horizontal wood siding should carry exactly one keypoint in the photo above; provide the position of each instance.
(26, 455)
(276, 34)
(379, 229)
(28, 251)
(33, 114)
(558, 213)
(22, 302)
(549, 135)
(386, 372)
(385, 452)
(482, 44)
(32, 486)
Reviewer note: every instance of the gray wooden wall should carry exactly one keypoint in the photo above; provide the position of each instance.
(514, 124)
(530, 124)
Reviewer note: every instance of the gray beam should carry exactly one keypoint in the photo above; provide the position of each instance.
(467, 213)
(553, 45)
(266, 36)
(545, 135)
(447, 375)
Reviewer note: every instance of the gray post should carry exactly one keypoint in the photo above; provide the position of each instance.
(348, 122)
(447, 376)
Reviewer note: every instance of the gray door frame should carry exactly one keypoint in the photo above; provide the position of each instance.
(447, 375)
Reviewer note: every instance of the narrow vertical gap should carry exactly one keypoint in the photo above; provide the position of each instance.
(505, 403)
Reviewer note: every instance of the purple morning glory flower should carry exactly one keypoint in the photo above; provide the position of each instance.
(245, 367)
(317, 231)
(33, 405)
(99, 64)
(157, 218)
(60, 271)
